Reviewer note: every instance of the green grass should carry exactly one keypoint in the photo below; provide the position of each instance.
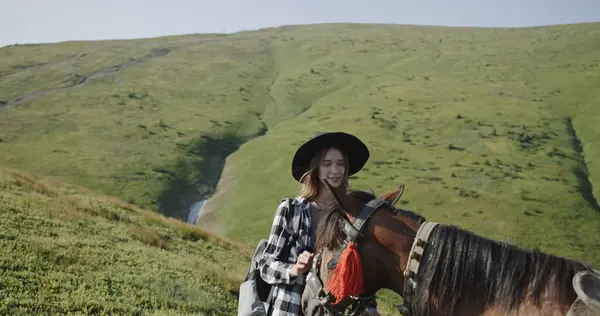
(494, 130)
(129, 134)
(473, 121)
(66, 250)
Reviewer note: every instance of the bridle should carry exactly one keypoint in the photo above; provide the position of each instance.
(412, 266)
(354, 233)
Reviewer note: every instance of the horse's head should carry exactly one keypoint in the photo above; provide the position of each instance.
(362, 246)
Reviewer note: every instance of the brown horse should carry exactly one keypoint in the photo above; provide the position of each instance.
(459, 272)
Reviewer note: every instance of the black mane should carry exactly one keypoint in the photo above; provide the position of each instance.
(460, 267)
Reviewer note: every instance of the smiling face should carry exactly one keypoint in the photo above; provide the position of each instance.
(329, 164)
(333, 167)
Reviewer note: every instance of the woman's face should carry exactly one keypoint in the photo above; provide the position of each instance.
(332, 168)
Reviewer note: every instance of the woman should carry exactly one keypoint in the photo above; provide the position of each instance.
(328, 156)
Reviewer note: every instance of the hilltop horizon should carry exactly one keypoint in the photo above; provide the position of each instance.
(264, 28)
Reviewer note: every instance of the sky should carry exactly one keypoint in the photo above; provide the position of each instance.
(46, 21)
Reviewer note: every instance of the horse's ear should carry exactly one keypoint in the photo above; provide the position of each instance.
(342, 199)
(395, 195)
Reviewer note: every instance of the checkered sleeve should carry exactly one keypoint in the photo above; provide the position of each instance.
(272, 270)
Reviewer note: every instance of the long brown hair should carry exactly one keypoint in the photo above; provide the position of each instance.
(310, 179)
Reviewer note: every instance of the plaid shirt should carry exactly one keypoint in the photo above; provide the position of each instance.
(288, 290)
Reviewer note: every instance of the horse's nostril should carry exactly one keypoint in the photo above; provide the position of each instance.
(409, 274)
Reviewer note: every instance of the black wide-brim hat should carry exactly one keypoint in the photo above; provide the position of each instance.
(356, 151)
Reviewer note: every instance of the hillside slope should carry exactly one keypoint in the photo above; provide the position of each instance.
(491, 129)
(149, 121)
(67, 251)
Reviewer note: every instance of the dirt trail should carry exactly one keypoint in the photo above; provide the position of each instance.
(84, 79)
(159, 52)
(20, 68)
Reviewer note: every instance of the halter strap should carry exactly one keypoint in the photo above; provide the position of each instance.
(354, 231)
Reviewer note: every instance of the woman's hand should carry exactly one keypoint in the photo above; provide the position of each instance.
(303, 264)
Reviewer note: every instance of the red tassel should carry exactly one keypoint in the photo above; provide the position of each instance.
(348, 276)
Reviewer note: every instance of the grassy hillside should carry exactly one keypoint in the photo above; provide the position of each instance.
(154, 132)
(66, 250)
(491, 129)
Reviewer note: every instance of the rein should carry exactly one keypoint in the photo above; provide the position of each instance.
(353, 233)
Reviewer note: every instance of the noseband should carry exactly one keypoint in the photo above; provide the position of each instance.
(353, 233)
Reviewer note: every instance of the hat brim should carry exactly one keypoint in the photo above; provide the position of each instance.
(356, 151)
